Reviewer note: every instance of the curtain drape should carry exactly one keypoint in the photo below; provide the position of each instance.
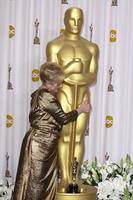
(26, 26)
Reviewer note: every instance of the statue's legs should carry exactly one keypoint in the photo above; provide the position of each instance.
(64, 146)
(63, 159)
(81, 125)
(71, 142)
(65, 156)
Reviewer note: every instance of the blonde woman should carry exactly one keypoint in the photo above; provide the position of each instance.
(37, 174)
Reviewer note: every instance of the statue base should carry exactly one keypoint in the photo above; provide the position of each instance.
(88, 194)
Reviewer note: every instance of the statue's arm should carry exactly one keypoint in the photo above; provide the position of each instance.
(51, 52)
(92, 76)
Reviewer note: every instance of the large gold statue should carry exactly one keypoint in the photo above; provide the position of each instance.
(78, 58)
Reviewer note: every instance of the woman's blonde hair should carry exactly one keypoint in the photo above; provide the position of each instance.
(51, 73)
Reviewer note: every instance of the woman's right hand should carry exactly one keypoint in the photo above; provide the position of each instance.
(84, 107)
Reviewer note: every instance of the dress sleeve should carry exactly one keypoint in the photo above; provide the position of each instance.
(51, 105)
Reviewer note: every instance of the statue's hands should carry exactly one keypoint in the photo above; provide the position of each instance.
(75, 66)
(84, 107)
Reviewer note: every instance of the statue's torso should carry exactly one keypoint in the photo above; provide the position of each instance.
(79, 55)
(75, 58)
(70, 50)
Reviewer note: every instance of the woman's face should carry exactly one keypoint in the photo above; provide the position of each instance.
(54, 88)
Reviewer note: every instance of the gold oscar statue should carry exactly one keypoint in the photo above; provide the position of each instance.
(79, 59)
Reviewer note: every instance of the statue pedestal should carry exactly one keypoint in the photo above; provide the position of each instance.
(88, 194)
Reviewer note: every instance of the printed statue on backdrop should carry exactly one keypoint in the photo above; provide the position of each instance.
(79, 59)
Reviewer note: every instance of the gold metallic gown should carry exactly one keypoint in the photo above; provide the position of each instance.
(37, 170)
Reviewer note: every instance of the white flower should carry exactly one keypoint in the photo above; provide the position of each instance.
(84, 175)
(6, 192)
(111, 189)
(1, 182)
(104, 173)
(3, 190)
(119, 184)
(104, 189)
(130, 182)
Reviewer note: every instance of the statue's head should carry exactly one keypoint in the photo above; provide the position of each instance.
(73, 20)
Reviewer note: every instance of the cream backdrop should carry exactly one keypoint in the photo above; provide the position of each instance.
(111, 126)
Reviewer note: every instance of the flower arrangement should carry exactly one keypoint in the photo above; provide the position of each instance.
(113, 181)
(5, 191)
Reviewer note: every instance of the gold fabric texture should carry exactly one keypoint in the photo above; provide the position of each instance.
(37, 170)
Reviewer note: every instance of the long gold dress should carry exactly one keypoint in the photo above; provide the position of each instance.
(37, 170)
